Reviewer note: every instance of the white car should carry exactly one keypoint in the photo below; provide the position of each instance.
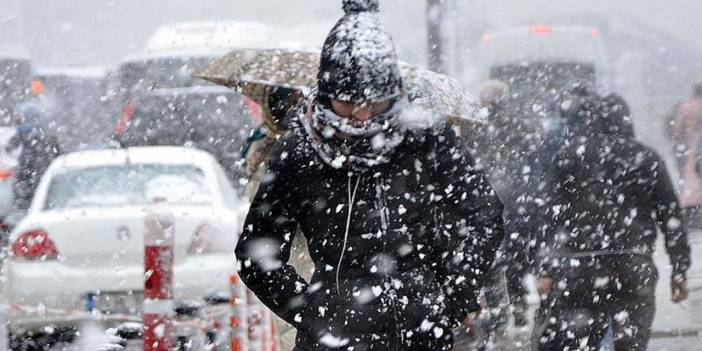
(81, 245)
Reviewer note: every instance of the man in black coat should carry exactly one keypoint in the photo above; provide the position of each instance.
(609, 197)
(400, 226)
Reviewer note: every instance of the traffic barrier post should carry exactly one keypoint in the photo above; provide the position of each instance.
(159, 240)
(238, 318)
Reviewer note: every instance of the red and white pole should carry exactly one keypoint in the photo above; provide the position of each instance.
(159, 239)
(266, 322)
(255, 316)
(274, 337)
(238, 320)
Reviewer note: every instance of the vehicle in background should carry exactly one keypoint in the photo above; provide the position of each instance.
(75, 105)
(137, 77)
(174, 51)
(211, 37)
(15, 77)
(80, 247)
(8, 163)
(540, 63)
(158, 94)
(211, 118)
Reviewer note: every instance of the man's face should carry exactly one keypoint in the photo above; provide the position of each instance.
(360, 113)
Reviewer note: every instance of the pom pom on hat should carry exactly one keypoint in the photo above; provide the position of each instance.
(352, 6)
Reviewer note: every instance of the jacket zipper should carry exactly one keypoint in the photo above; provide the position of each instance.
(384, 221)
(352, 200)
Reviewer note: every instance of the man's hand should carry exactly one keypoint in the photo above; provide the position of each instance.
(468, 323)
(544, 286)
(678, 289)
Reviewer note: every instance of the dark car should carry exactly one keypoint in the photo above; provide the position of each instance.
(211, 118)
(137, 77)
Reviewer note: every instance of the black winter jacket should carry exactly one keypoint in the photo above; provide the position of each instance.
(610, 195)
(416, 234)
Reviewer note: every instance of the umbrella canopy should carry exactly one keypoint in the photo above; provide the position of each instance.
(257, 72)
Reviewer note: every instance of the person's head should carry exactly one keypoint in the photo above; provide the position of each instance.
(571, 104)
(582, 109)
(359, 74)
(697, 90)
(493, 93)
(619, 116)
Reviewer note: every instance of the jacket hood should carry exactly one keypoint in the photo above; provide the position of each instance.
(590, 114)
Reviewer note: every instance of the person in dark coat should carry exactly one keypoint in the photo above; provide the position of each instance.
(399, 225)
(500, 148)
(609, 197)
(39, 149)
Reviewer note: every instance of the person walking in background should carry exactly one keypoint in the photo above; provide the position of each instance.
(688, 131)
(400, 225)
(673, 137)
(610, 195)
(274, 120)
(500, 148)
(38, 149)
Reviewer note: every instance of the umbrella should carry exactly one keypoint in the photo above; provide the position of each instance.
(257, 72)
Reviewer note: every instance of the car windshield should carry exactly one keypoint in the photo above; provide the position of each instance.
(161, 73)
(127, 185)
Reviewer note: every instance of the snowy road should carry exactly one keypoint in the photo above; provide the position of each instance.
(676, 344)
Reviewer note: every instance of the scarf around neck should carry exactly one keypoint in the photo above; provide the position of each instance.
(340, 143)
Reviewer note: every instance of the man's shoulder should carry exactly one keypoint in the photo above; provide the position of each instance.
(439, 133)
(653, 158)
(293, 152)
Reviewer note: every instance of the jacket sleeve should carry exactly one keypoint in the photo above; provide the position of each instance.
(470, 223)
(264, 247)
(670, 221)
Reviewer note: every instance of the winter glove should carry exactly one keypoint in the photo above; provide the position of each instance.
(678, 289)
(544, 286)
(457, 315)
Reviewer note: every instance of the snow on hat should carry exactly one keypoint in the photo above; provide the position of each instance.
(358, 61)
